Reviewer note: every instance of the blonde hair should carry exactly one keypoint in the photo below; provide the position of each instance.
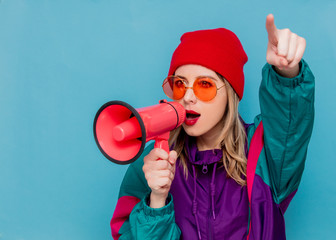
(232, 140)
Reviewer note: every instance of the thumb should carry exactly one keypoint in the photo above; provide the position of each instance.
(277, 61)
(172, 157)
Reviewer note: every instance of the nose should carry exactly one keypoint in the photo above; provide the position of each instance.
(189, 96)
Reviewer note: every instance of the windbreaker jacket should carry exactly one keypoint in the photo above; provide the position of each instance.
(208, 204)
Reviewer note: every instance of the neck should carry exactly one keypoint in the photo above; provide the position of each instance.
(208, 141)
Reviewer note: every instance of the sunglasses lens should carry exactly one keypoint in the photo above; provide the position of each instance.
(167, 87)
(205, 89)
(178, 89)
(174, 87)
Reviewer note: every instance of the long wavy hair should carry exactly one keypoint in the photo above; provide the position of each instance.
(232, 140)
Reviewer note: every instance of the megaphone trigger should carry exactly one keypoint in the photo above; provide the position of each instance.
(162, 142)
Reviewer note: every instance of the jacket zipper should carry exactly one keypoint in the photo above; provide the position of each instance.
(210, 218)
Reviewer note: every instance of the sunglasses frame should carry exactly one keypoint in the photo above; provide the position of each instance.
(166, 81)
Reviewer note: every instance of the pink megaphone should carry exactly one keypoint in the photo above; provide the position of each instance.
(122, 131)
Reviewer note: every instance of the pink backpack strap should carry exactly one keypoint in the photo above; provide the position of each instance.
(257, 143)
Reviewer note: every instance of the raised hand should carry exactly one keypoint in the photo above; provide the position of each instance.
(285, 49)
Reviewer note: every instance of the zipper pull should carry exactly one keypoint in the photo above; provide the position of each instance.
(205, 169)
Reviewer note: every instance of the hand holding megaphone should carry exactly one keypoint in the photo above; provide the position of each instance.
(159, 170)
(122, 131)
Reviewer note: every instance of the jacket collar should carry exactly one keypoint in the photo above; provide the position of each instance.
(197, 157)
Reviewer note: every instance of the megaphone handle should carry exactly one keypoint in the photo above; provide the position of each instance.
(162, 142)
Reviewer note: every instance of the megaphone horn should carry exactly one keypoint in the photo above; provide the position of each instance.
(122, 131)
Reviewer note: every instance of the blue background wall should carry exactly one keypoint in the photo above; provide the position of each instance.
(61, 60)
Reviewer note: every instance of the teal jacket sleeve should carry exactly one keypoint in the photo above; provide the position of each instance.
(133, 218)
(287, 113)
(149, 223)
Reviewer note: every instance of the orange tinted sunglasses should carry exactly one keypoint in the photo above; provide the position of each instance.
(204, 88)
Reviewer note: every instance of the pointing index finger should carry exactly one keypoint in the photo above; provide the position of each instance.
(272, 30)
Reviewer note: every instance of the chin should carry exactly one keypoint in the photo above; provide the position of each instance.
(192, 131)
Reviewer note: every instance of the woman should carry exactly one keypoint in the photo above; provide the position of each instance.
(223, 179)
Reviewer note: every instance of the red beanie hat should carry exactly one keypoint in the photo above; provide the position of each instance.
(217, 49)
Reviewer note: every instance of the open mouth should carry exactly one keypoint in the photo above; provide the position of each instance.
(192, 114)
(191, 117)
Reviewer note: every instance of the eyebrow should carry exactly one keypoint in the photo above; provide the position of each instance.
(180, 76)
(205, 76)
(201, 76)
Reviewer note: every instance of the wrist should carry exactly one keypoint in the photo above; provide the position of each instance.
(288, 72)
(157, 201)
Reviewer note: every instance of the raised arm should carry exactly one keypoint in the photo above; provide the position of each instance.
(287, 110)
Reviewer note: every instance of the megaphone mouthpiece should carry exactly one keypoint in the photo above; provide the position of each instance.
(180, 112)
